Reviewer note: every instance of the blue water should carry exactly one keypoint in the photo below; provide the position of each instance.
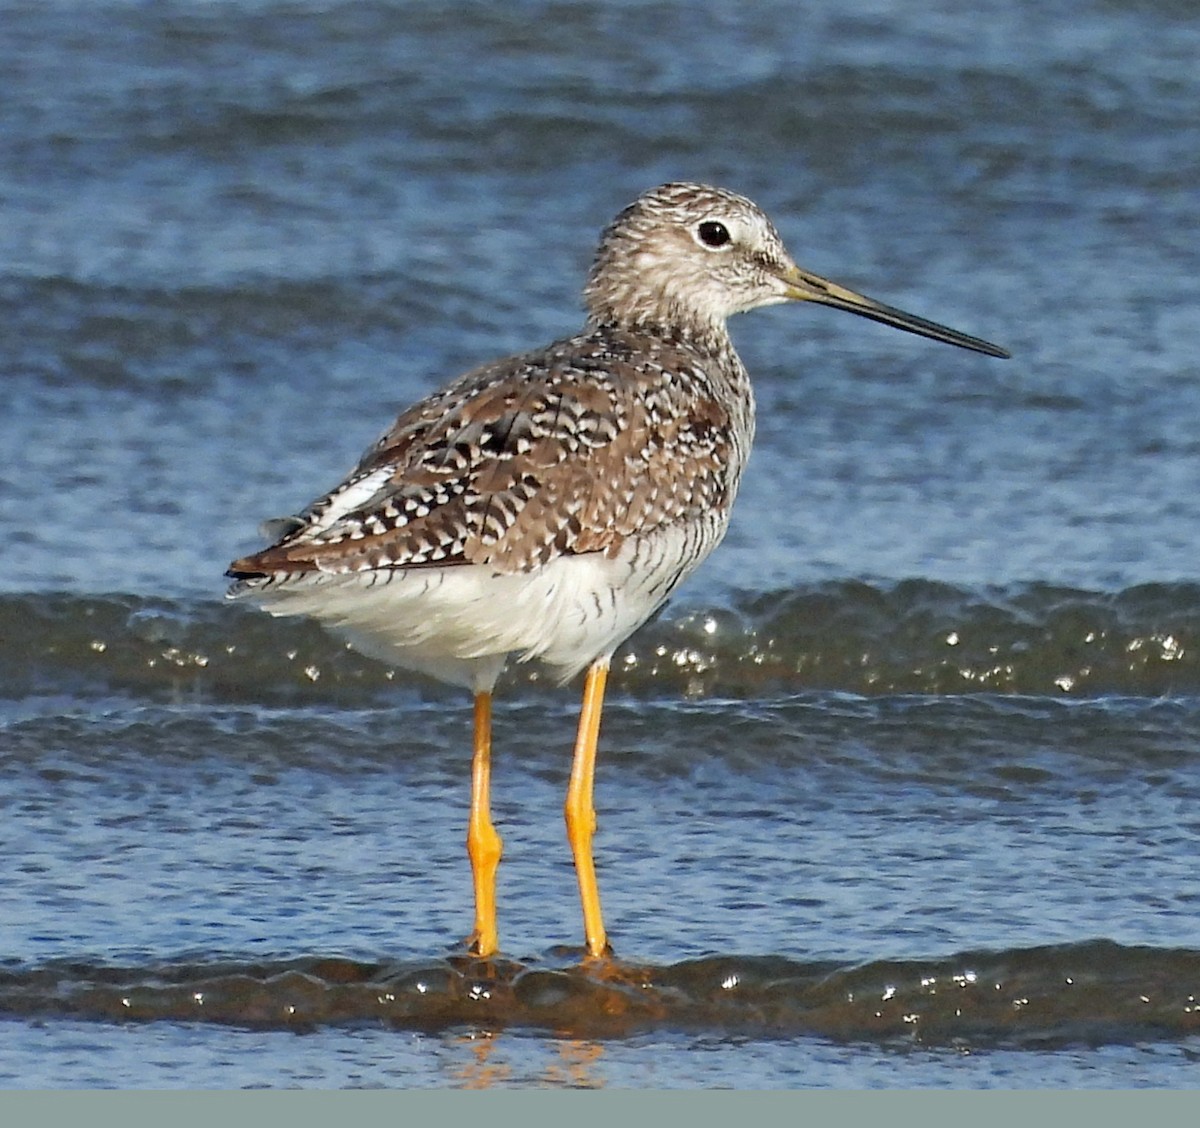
(236, 238)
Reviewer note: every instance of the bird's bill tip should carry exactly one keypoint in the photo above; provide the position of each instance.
(802, 286)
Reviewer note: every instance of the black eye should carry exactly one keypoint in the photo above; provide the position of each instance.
(712, 233)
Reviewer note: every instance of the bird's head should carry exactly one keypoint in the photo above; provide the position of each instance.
(688, 256)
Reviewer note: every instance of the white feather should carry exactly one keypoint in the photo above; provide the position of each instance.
(460, 624)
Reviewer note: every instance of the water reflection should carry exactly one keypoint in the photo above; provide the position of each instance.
(486, 1064)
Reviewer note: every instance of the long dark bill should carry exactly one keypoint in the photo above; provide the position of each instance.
(805, 287)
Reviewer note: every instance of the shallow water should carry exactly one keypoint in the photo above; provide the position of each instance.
(901, 789)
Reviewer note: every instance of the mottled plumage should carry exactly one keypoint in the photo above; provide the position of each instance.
(572, 449)
(546, 505)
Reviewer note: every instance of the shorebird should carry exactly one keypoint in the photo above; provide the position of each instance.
(544, 506)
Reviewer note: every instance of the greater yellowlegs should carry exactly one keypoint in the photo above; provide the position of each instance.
(544, 506)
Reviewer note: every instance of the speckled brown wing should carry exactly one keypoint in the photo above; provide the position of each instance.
(568, 450)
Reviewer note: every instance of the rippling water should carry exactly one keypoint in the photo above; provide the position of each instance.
(901, 790)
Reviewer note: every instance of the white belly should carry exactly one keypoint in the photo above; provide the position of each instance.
(460, 624)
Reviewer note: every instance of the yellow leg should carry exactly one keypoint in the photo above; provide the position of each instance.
(483, 843)
(579, 810)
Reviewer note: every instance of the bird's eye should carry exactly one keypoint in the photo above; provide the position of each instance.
(713, 234)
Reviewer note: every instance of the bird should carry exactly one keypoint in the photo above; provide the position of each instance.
(542, 507)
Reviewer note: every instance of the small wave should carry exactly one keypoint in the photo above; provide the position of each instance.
(853, 637)
(1091, 993)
